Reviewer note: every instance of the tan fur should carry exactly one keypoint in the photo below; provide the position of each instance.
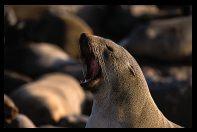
(22, 121)
(168, 39)
(72, 27)
(51, 98)
(49, 55)
(24, 12)
(123, 100)
(12, 118)
(10, 110)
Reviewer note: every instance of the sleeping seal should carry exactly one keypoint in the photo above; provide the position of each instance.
(121, 94)
(12, 117)
(50, 98)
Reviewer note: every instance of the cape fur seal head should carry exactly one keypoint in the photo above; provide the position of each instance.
(107, 64)
(121, 94)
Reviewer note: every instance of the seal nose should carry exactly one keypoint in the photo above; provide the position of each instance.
(84, 38)
(84, 43)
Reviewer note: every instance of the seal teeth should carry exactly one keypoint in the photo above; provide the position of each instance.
(86, 81)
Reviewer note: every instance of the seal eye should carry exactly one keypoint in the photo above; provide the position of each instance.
(106, 54)
(131, 69)
(110, 48)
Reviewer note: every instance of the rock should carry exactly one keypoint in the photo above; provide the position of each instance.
(168, 40)
(49, 99)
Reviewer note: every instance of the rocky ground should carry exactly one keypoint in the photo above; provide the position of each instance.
(42, 70)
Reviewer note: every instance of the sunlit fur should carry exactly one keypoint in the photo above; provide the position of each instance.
(123, 99)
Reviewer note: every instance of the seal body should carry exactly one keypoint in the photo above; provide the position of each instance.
(49, 99)
(12, 118)
(22, 121)
(171, 37)
(44, 58)
(121, 98)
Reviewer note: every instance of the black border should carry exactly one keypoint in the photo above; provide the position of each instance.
(76, 2)
(100, 2)
(2, 79)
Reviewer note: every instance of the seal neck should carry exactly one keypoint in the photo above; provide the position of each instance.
(128, 105)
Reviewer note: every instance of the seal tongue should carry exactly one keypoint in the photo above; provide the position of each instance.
(94, 67)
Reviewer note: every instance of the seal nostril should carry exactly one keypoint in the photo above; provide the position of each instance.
(83, 39)
(84, 44)
(110, 48)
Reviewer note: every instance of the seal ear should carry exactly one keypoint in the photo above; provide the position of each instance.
(131, 69)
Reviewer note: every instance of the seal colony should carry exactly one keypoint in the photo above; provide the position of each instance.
(121, 95)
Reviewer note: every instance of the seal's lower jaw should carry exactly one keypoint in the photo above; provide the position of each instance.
(93, 75)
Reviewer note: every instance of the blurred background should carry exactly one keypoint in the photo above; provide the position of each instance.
(42, 67)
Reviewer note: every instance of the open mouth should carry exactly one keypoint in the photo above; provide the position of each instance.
(92, 69)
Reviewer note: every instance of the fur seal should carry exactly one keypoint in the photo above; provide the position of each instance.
(50, 98)
(183, 10)
(73, 121)
(73, 27)
(22, 121)
(159, 12)
(106, 20)
(34, 12)
(24, 12)
(9, 15)
(121, 95)
(52, 24)
(172, 91)
(10, 110)
(12, 118)
(35, 59)
(165, 39)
